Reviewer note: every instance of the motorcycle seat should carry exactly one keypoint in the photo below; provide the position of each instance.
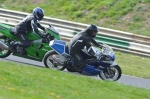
(12, 30)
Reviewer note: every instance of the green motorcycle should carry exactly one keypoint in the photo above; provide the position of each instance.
(39, 46)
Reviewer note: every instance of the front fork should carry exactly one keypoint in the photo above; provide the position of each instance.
(108, 70)
(111, 64)
(107, 64)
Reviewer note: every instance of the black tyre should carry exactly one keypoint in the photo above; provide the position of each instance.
(113, 75)
(49, 61)
(70, 70)
(4, 53)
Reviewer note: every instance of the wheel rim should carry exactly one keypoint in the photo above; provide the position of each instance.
(3, 52)
(114, 73)
(51, 63)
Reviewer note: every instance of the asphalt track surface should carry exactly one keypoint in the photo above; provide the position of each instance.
(125, 79)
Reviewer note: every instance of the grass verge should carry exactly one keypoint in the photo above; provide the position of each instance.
(133, 65)
(19, 81)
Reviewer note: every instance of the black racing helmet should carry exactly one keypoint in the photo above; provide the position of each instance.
(92, 30)
(38, 13)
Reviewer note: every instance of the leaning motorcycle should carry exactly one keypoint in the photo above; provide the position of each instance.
(103, 65)
(39, 46)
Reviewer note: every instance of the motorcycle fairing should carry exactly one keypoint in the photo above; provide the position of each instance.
(90, 70)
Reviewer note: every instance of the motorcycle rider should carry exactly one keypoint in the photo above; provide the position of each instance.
(79, 41)
(26, 25)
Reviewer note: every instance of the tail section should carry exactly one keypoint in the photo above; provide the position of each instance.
(58, 46)
(5, 30)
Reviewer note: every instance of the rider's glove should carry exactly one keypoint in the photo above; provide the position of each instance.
(100, 45)
(42, 35)
(44, 30)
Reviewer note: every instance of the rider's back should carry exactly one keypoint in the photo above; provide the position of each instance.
(78, 42)
(24, 26)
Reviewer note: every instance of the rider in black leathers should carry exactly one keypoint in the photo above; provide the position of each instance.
(26, 25)
(79, 41)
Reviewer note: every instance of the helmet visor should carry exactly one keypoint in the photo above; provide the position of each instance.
(40, 16)
(94, 33)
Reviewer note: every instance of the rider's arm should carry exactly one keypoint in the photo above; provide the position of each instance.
(40, 26)
(89, 46)
(35, 29)
(95, 43)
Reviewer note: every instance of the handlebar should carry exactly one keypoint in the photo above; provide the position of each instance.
(47, 38)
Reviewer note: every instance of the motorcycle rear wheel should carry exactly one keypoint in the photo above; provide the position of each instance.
(4, 53)
(115, 73)
(49, 61)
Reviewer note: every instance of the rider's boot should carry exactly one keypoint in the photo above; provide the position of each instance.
(79, 68)
(12, 47)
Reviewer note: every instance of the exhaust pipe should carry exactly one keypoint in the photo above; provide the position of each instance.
(3, 45)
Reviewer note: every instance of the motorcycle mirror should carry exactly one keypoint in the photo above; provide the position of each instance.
(50, 25)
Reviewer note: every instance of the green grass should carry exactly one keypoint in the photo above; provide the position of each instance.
(133, 65)
(18, 81)
(126, 15)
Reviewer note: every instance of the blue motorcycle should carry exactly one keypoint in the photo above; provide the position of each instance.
(103, 65)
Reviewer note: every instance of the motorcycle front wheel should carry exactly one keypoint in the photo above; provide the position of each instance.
(50, 61)
(112, 73)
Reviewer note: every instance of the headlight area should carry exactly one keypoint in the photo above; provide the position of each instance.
(106, 58)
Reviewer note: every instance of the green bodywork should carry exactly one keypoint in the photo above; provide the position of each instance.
(38, 49)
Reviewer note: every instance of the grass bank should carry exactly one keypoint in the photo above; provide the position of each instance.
(126, 15)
